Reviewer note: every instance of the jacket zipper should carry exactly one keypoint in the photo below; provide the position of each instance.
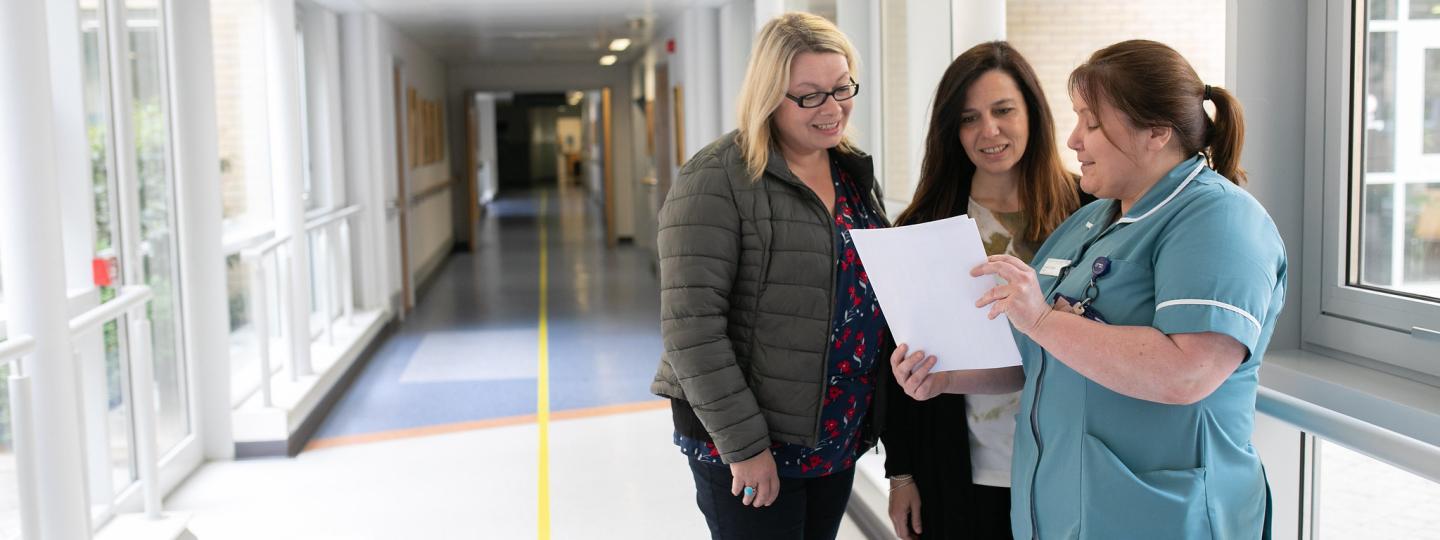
(830, 320)
(830, 330)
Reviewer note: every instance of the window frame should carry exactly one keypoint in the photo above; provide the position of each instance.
(1362, 321)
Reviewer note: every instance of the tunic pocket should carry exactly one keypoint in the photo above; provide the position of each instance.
(1117, 503)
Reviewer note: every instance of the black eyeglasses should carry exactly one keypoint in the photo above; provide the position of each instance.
(816, 99)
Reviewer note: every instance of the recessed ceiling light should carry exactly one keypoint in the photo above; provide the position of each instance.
(620, 44)
(607, 60)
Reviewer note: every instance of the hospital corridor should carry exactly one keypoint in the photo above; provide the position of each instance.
(660, 269)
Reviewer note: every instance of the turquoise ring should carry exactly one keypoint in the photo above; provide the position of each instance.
(749, 491)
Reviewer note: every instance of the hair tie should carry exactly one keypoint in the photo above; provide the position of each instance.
(1206, 97)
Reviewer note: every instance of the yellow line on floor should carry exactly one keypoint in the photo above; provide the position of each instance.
(542, 409)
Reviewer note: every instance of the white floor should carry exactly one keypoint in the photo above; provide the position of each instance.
(611, 477)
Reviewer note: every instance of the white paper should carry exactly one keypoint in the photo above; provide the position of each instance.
(921, 276)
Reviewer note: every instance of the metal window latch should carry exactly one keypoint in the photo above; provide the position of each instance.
(1425, 334)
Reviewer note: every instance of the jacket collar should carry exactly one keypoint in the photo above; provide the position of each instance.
(860, 166)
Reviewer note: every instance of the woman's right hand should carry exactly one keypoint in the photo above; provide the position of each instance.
(757, 472)
(905, 509)
(913, 373)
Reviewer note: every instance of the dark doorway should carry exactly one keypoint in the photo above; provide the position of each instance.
(528, 146)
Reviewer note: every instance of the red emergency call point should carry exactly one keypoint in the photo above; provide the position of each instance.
(103, 269)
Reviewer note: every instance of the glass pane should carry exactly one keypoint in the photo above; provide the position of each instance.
(1382, 10)
(1422, 239)
(1425, 9)
(117, 410)
(1399, 239)
(1357, 496)
(97, 127)
(1378, 227)
(244, 349)
(240, 111)
(157, 216)
(823, 8)
(316, 279)
(1380, 103)
(9, 489)
(1432, 101)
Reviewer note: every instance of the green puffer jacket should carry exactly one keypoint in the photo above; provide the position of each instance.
(747, 278)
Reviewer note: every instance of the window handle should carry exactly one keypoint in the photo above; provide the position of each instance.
(1425, 334)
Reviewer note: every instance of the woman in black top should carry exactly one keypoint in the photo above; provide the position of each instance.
(991, 154)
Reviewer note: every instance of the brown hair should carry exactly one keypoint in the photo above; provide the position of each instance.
(1152, 85)
(768, 76)
(1047, 190)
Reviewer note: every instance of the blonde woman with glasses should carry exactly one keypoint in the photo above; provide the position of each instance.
(768, 320)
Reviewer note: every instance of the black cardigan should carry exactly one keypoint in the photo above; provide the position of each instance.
(931, 441)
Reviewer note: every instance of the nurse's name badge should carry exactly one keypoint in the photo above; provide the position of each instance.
(1052, 267)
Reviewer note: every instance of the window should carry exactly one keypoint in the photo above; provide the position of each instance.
(823, 8)
(307, 164)
(241, 105)
(9, 482)
(1399, 236)
(105, 384)
(1359, 497)
(159, 244)
(1380, 242)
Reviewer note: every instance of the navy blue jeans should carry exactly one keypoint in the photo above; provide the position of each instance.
(807, 508)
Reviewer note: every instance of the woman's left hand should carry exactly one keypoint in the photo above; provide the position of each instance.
(912, 372)
(1019, 298)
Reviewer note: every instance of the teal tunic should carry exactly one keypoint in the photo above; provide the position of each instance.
(1195, 254)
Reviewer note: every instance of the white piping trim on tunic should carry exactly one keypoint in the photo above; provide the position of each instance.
(1177, 191)
(1222, 305)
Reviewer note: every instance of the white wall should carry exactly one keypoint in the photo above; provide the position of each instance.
(1267, 71)
(1266, 63)
(737, 35)
(430, 231)
(366, 75)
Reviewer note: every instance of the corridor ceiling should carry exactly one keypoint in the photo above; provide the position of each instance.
(521, 31)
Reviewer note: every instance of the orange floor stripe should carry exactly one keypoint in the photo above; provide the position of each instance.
(440, 429)
(422, 431)
(576, 414)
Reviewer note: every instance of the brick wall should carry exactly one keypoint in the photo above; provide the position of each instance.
(1055, 36)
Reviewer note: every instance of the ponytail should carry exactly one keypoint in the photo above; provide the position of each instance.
(1226, 136)
(1152, 85)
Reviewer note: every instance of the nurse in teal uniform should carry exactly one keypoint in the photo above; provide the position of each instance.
(1143, 322)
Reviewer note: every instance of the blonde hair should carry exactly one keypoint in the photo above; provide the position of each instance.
(768, 77)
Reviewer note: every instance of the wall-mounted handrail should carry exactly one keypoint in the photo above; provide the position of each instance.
(267, 246)
(129, 298)
(246, 239)
(16, 347)
(321, 221)
(431, 191)
(132, 303)
(1413, 455)
(22, 432)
